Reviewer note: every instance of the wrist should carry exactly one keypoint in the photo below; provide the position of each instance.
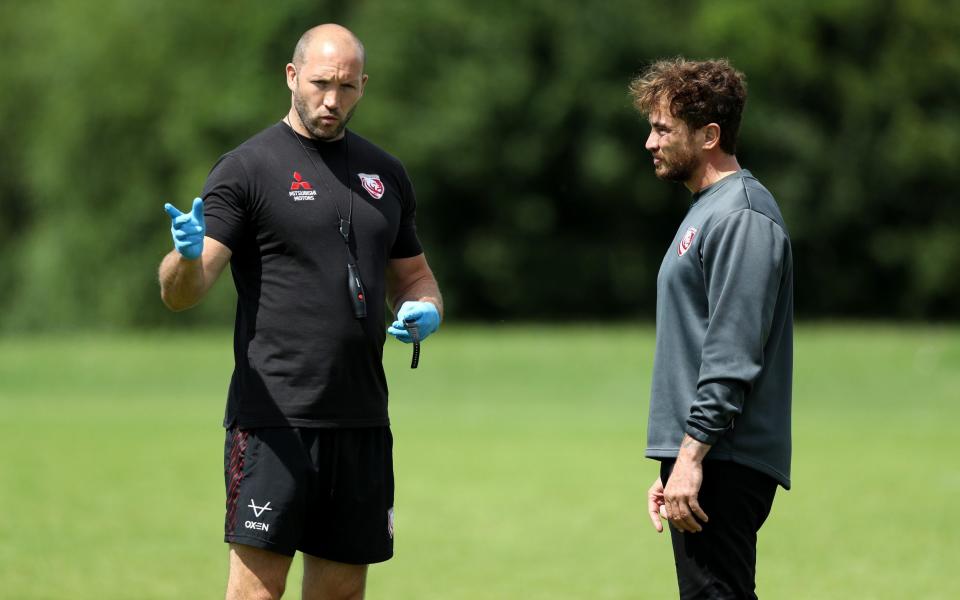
(424, 300)
(692, 450)
(186, 261)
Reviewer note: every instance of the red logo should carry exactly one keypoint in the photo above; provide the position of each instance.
(686, 241)
(299, 183)
(372, 184)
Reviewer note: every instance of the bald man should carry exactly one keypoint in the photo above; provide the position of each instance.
(318, 226)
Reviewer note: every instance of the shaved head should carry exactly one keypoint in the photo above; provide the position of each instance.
(326, 81)
(328, 34)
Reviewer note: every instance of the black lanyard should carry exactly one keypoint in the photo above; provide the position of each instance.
(354, 284)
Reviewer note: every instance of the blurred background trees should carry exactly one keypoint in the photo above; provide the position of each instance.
(536, 198)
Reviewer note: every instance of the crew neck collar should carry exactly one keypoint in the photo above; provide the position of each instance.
(716, 185)
(313, 143)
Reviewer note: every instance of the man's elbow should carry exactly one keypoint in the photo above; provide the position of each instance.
(174, 303)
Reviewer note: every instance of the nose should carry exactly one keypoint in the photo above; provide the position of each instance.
(653, 142)
(331, 99)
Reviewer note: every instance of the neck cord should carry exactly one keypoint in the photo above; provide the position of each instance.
(344, 225)
(354, 284)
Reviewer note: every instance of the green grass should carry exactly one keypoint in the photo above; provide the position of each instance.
(518, 454)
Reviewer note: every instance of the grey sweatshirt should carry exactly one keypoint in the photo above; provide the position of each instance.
(723, 368)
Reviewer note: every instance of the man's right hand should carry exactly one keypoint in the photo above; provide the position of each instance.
(655, 504)
(187, 229)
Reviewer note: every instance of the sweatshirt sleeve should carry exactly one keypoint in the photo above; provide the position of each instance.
(743, 262)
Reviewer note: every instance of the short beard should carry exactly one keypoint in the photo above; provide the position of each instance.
(312, 128)
(681, 167)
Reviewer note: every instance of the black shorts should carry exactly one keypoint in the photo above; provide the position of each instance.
(325, 492)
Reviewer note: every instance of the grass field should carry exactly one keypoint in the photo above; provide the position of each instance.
(519, 467)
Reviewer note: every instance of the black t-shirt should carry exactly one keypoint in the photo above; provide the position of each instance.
(302, 358)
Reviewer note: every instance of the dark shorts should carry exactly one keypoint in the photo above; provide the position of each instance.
(325, 492)
(720, 562)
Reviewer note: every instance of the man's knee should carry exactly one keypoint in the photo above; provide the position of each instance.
(328, 580)
(256, 574)
(340, 590)
(255, 590)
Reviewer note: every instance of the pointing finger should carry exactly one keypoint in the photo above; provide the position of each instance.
(172, 210)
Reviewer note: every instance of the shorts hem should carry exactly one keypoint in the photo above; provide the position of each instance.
(350, 560)
(262, 544)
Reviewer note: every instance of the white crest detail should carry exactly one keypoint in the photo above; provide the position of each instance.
(686, 241)
(371, 182)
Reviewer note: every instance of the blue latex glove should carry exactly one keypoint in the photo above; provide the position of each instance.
(425, 314)
(188, 229)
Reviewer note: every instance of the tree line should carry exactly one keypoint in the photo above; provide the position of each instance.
(536, 198)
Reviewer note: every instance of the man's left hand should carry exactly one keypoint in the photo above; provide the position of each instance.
(424, 314)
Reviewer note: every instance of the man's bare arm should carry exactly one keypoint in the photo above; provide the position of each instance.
(412, 279)
(184, 282)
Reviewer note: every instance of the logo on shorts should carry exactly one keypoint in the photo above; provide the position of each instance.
(686, 241)
(258, 510)
(372, 184)
(390, 522)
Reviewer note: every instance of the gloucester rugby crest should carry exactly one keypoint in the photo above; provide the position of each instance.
(372, 184)
(686, 241)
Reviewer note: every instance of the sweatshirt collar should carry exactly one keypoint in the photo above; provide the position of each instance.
(720, 184)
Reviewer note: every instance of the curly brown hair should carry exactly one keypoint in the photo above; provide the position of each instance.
(698, 93)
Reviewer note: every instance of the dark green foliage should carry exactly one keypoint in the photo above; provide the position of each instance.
(537, 199)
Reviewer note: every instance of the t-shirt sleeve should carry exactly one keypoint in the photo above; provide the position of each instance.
(407, 244)
(224, 201)
(744, 258)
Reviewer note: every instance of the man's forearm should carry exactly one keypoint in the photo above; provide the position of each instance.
(182, 282)
(424, 289)
(692, 450)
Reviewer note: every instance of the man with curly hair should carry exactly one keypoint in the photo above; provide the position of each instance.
(721, 393)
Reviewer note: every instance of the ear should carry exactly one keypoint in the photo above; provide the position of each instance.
(363, 83)
(711, 136)
(291, 77)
